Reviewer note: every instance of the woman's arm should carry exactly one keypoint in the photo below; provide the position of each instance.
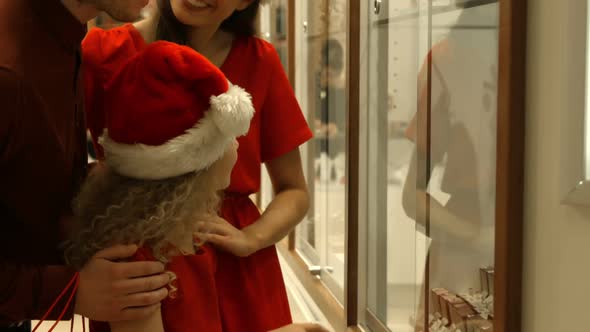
(286, 210)
(289, 205)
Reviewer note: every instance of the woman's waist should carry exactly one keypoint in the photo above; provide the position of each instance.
(232, 198)
(233, 193)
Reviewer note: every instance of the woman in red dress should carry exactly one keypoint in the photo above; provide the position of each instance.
(250, 287)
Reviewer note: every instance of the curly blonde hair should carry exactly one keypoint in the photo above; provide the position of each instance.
(112, 209)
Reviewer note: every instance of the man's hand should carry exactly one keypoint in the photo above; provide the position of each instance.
(307, 327)
(111, 291)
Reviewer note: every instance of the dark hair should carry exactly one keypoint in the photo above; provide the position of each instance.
(333, 54)
(240, 23)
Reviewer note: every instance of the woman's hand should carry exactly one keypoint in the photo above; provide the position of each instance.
(222, 234)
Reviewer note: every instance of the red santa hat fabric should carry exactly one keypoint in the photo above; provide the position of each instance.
(169, 111)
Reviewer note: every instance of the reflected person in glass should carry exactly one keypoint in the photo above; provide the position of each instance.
(330, 122)
(452, 171)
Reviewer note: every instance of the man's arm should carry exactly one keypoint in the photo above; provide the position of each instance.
(25, 291)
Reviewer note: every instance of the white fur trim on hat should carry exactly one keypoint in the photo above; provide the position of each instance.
(232, 111)
(195, 150)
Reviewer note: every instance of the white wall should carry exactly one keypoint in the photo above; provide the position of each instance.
(557, 237)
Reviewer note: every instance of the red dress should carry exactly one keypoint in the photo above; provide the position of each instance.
(251, 291)
(192, 304)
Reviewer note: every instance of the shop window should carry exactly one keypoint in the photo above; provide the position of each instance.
(431, 148)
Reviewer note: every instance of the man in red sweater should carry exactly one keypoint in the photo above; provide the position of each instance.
(42, 163)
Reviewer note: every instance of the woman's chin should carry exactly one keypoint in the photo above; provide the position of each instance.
(186, 17)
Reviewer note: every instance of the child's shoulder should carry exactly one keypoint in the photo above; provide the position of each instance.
(107, 47)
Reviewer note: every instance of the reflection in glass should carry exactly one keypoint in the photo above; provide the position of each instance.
(322, 235)
(438, 98)
(393, 273)
(330, 126)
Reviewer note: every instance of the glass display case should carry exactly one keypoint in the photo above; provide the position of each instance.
(431, 147)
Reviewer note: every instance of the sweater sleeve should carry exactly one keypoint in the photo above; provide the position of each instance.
(26, 291)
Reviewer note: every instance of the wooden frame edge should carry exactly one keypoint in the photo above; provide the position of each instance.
(352, 169)
(331, 308)
(510, 165)
(374, 323)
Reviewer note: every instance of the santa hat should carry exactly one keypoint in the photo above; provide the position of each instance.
(169, 111)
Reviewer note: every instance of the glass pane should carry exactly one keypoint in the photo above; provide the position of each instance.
(307, 232)
(432, 89)
(463, 149)
(273, 28)
(394, 243)
(325, 84)
(332, 114)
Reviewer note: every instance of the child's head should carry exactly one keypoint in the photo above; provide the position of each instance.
(113, 209)
(170, 144)
(178, 16)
